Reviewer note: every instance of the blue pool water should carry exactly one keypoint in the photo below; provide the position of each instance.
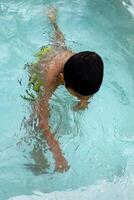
(99, 142)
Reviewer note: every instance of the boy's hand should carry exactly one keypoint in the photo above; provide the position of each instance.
(81, 105)
(61, 164)
(52, 14)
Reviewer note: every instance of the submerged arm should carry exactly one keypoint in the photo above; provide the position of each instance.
(59, 36)
(43, 116)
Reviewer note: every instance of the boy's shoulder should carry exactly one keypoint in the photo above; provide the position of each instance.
(56, 65)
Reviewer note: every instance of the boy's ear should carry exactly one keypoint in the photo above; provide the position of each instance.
(62, 78)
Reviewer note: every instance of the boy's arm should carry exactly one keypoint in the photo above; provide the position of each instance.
(59, 37)
(42, 109)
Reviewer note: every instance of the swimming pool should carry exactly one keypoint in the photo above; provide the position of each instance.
(99, 142)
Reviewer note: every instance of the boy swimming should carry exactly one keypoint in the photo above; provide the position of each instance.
(82, 75)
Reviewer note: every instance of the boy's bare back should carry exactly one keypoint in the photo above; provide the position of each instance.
(54, 68)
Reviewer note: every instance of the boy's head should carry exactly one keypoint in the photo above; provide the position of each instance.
(83, 73)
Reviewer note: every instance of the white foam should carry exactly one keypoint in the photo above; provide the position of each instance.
(121, 190)
(130, 6)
